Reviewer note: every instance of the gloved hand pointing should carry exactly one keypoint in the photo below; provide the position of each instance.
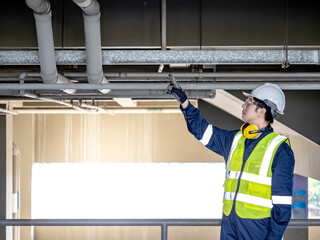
(175, 89)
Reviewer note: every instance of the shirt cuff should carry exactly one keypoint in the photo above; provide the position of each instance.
(189, 108)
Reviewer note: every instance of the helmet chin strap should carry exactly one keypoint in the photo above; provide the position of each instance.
(251, 130)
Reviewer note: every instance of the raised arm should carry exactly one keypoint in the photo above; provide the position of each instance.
(215, 139)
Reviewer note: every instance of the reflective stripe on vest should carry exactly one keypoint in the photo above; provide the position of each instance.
(253, 199)
(233, 147)
(250, 177)
(249, 199)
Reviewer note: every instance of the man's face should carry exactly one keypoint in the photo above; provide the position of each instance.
(249, 112)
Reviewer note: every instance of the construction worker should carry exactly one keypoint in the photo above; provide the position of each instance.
(259, 165)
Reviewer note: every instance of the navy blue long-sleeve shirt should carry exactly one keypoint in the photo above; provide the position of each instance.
(282, 167)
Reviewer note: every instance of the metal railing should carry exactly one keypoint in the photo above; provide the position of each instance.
(163, 223)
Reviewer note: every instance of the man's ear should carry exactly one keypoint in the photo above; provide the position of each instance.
(262, 111)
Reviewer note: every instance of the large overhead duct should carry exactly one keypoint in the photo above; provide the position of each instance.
(91, 17)
(241, 57)
(42, 16)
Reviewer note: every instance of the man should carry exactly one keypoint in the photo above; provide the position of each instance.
(259, 165)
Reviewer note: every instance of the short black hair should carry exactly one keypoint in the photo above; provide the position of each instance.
(268, 116)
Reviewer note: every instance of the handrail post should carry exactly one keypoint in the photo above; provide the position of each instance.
(164, 231)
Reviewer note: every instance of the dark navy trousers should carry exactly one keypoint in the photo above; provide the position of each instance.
(236, 228)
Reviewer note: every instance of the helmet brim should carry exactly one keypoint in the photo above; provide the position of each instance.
(247, 94)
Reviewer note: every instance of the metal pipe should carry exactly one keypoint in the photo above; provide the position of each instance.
(163, 24)
(303, 76)
(159, 86)
(138, 94)
(164, 231)
(110, 222)
(111, 112)
(210, 79)
(91, 16)
(42, 16)
(93, 48)
(133, 222)
(95, 108)
(315, 75)
(33, 96)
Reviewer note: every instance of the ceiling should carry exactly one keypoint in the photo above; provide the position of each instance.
(207, 45)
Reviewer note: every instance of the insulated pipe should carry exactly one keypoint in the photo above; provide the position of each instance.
(159, 86)
(163, 24)
(156, 57)
(42, 16)
(272, 76)
(143, 76)
(91, 17)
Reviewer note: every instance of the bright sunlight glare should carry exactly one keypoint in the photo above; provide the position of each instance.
(127, 190)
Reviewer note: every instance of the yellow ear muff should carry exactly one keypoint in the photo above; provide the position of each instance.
(246, 128)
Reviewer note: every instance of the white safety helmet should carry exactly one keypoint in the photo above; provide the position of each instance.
(272, 95)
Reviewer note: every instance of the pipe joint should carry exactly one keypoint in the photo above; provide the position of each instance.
(104, 81)
(39, 6)
(49, 78)
(63, 79)
(91, 18)
(22, 76)
(43, 17)
(98, 78)
(83, 3)
(89, 7)
(95, 77)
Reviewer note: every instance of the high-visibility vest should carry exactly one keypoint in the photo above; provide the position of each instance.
(253, 199)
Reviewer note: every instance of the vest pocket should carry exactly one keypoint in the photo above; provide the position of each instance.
(253, 167)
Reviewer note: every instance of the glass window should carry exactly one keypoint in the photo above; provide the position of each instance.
(313, 198)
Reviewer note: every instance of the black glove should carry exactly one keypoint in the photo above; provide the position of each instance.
(178, 93)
